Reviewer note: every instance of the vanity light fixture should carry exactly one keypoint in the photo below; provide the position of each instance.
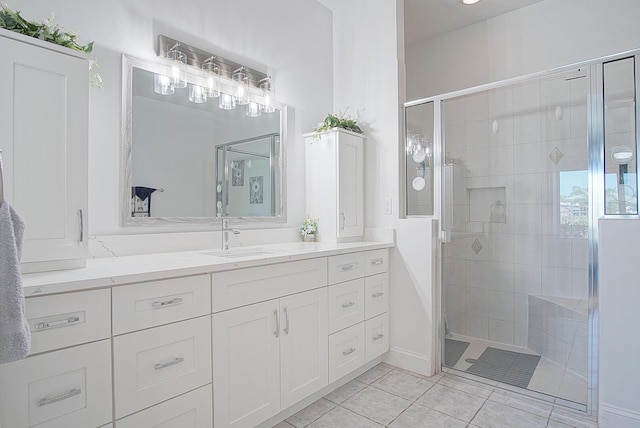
(241, 80)
(268, 95)
(212, 77)
(178, 61)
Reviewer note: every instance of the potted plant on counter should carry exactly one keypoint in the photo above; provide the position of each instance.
(308, 229)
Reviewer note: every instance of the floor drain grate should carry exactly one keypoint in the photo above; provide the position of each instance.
(471, 360)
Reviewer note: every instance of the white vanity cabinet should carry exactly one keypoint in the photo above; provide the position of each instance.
(268, 356)
(44, 120)
(334, 180)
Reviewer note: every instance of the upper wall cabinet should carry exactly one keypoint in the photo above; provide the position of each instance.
(44, 121)
(334, 184)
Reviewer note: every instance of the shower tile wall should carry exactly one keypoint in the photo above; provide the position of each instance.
(519, 228)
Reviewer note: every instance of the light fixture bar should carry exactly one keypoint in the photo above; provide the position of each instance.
(197, 56)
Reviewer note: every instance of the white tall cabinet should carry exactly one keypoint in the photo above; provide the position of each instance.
(44, 122)
(334, 183)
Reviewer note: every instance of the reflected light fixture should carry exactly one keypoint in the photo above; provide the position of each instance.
(253, 109)
(241, 80)
(178, 61)
(469, 1)
(622, 154)
(163, 85)
(226, 101)
(197, 94)
(268, 95)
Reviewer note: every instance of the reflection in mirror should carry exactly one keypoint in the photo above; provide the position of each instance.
(621, 181)
(419, 159)
(171, 147)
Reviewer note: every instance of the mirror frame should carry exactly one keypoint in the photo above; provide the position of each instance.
(126, 161)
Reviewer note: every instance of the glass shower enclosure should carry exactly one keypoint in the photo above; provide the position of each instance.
(526, 168)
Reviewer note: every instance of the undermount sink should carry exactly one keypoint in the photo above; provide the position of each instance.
(238, 252)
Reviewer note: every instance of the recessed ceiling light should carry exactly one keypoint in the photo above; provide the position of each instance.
(469, 1)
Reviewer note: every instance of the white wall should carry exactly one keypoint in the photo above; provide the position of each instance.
(291, 37)
(367, 60)
(545, 35)
(619, 342)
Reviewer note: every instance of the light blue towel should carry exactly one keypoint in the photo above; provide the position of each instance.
(15, 336)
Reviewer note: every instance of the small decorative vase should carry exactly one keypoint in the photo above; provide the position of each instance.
(309, 238)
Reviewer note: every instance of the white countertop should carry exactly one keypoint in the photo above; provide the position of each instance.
(105, 272)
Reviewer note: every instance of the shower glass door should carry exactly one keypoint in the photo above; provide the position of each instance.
(516, 213)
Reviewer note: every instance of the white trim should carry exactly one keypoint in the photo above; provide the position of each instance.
(407, 360)
(615, 417)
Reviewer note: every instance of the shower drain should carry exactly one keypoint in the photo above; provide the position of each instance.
(471, 360)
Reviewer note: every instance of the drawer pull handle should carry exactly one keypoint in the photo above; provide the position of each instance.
(348, 351)
(377, 261)
(348, 304)
(44, 325)
(276, 333)
(378, 336)
(175, 361)
(50, 400)
(347, 268)
(165, 303)
(378, 294)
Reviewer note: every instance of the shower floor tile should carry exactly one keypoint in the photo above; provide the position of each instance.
(548, 377)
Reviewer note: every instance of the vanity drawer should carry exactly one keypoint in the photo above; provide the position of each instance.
(376, 291)
(154, 365)
(345, 267)
(376, 261)
(346, 351)
(63, 320)
(377, 331)
(150, 304)
(191, 410)
(242, 287)
(65, 388)
(346, 304)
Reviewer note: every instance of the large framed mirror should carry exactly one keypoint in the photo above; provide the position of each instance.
(185, 162)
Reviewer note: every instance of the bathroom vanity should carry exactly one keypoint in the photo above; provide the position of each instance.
(232, 338)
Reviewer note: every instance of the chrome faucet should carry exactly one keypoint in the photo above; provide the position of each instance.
(225, 233)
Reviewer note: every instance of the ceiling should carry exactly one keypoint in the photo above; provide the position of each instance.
(425, 19)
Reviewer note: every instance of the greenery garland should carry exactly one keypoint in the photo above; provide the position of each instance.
(11, 20)
(338, 121)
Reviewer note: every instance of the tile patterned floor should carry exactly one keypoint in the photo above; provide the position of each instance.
(386, 396)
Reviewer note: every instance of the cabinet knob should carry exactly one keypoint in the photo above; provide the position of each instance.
(45, 325)
(377, 261)
(50, 400)
(378, 294)
(165, 303)
(348, 304)
(348, 351)
(173, 362)
(378, 336)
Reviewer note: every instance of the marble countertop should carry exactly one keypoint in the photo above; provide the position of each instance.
(105, 272)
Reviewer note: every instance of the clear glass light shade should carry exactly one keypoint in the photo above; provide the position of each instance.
(268, 95)
(178, 62)
(241, 80)
(253, 109)
(212, 79)
(197, 94)
(163, 85)
(226, 102)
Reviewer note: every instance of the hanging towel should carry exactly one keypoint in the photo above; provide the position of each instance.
(15, 337)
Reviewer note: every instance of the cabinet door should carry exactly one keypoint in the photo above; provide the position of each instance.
(44, 122)
(303, 345)
(350, 186)
(246, 365)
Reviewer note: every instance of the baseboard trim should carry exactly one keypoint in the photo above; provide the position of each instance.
(408, 360)
(615, 417)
